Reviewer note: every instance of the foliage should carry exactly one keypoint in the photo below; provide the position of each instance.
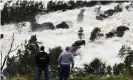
(54, 54)
(129, 62)
(124, 51)
(108, 70)
(96, 67)
(127, 66)
(120, 77)
(78, 72)
(118, 69)
(95, 33)
(26, 10)
(20, 11)
(24, 62)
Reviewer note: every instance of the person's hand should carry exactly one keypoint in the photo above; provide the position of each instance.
(72, 66)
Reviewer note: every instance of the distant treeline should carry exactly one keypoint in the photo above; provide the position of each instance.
(26, 10)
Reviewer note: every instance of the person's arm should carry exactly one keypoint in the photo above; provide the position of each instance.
(36, 59)
(48, 58)
(59, 59)
(72, 58)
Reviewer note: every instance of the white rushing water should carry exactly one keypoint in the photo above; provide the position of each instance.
(103, 48)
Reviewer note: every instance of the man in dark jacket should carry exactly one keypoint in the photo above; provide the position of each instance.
(42, 61)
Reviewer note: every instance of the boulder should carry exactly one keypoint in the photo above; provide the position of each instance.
(118, 8)
(62, 25)
(122, 28)
(127, 7)
(69, 23)
(109, 12)
(99, 18)
(1, 36)
(120, 33)
(109, 35)
(41, 27)
(79, 43)
(102, 15)
(76, 46)
(63, 10)
(74, 49)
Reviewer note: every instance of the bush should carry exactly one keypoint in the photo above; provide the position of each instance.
(129, 62)
(109, 70)
(118, 69)
(125, 67)
(78, 72)
(95, 33)
(24, 62)
(96, 67)
(124, 51)
(54, 55)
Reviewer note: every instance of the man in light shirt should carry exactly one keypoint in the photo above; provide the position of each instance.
(65, 61)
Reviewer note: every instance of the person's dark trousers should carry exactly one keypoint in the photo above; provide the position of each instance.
(64, 72)
(39, 72)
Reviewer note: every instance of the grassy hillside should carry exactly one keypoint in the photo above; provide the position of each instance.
(77, 78)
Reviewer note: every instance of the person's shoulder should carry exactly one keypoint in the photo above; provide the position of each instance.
(62, 53)
(37, 54)
(41, 53)
(45, 53)
(70, 53)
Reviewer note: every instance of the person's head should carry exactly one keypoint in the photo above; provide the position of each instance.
(42, 48)
(67, 48)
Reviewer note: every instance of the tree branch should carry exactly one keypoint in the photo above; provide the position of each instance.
(10, 50)
(15, 49)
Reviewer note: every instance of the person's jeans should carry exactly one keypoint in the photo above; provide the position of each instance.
(64, 72)
(39, 72)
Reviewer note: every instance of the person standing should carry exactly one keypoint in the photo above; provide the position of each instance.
(42, 61)
(65, 60)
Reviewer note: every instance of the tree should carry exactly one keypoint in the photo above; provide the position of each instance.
(24, 62)
(129, 62)
(54, 55)
(95, 33)
(124, 51)
(10, 50)
(96, 67)
(118, 69)
(109, 70)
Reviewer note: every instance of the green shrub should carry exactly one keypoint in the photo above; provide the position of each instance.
(24, 62)
(96, 67)
(94, 33)
(54, 55)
